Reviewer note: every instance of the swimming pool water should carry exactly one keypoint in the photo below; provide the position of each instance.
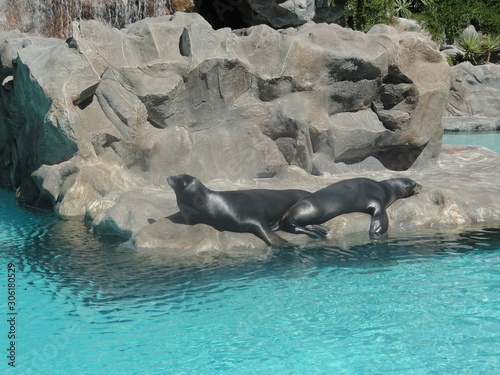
(489, 140)
(424, 304)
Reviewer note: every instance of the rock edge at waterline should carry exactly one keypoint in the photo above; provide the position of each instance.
(462, 190)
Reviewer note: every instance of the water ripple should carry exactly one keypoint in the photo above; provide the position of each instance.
(423, 299)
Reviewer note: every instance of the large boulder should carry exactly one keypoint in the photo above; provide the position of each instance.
(89, 122)
(279, 13)
(462, 191)
(474, 101)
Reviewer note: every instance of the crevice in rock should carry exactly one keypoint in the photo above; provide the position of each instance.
(397, 99)
(86, 102)
(399, 158)
(438, 199)
(185, 43)
(352, 69)
(395, 159)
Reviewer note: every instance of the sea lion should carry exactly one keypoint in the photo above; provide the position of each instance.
(353, 195)
(255, 211)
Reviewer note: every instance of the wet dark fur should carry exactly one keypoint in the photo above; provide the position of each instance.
(353, 195)
(255, 211)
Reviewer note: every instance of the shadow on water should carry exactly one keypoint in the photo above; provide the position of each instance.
(57, 254)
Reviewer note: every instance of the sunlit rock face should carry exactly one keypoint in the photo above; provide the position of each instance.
(474, 101)
(108, 112)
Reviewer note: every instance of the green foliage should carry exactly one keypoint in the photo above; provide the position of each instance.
(445, 19)
(490, 44)
(402, 8)
(476, 48)
(363, 14)
(470, 44)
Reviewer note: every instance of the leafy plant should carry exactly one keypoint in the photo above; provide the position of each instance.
(454, 58)
(363, 14)
(445, 19)
(402, 8)
(471, 45)
(489, 44)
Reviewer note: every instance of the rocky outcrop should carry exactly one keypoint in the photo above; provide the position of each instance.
(94, 125)
(279, 13)
(474, 102)
(462, 191)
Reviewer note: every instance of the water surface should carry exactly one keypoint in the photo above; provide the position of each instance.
(427, 303)
(489, 140)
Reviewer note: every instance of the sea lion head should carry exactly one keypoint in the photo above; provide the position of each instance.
(191, 194)
(404, 187)
(183, 182)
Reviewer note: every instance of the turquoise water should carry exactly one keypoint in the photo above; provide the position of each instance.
(423, 304)
(485, 139)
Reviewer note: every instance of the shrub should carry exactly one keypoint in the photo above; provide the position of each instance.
(445, 19)
(489, 44)
(470, 44)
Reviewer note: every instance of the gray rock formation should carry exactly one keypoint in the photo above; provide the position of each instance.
(462, 191)
(94, 125)
(474, 102)
(279, 13)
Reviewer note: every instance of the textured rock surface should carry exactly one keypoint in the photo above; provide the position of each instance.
(93, 126)
(474, 102)
(462, 190)
(279, 13)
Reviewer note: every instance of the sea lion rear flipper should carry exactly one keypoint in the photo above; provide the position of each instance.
(321, 230)
(314, 230)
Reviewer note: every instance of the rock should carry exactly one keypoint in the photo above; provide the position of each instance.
(469, 31)
(462, 190)
(87, 122)
(130, 212)
(450, 51)
(329, 12)
(53, 180)
(279, 13)
(407, 25)
(474, 101)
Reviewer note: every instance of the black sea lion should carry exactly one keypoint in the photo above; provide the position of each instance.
(354, 195)
(255, 211)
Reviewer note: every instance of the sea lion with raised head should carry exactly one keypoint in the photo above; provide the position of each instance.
(353, 195)
(255, 211)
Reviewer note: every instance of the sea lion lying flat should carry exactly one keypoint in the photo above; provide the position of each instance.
(255, 211)
(353, 195)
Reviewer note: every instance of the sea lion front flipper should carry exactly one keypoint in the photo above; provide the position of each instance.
(275, 226)
(379, 223)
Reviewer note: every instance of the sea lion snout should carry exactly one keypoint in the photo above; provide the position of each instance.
(180, 181)
(416, 188)
(171, 181)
